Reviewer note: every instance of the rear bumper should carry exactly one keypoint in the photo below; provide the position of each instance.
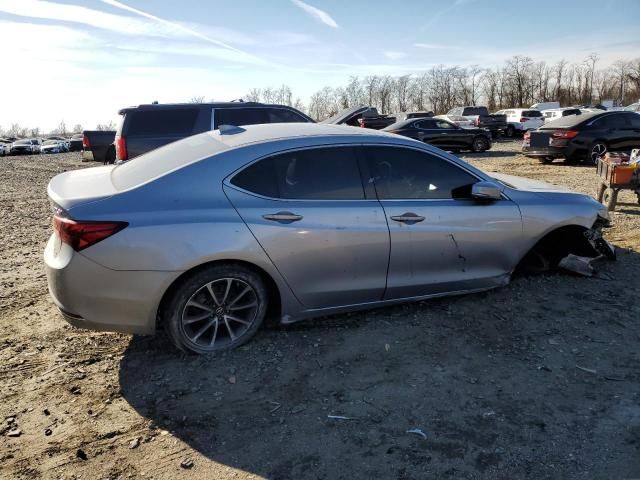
(95, 297)
(553, 152)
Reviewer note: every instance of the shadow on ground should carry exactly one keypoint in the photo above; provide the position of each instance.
(535, 380)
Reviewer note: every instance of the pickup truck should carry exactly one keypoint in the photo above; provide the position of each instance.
(481, 118)
(98, 146)
(366, 117)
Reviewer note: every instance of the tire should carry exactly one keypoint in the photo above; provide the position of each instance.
(510, 131)
(479, 144)
(202, 315)
(610, 198)
(596, 150)
(110, 157)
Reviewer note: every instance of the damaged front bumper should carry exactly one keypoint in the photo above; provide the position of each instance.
(595, 239)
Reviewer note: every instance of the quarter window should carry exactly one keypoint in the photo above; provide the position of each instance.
(282, 115)
(239, 116)
(403, 173)
(315, 174)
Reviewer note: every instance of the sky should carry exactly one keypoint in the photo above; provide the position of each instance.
(82, 60)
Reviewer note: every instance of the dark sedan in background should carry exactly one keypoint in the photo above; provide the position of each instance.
(583, 138)
(443, 134)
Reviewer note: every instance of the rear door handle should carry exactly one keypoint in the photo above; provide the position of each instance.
(408, 217)
(283, 217)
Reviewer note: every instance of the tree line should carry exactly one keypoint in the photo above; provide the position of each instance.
(19, 131)
(520, 82)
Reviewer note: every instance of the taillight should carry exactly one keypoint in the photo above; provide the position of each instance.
(121, 148)
(527, 135)
(564, 134)
(523, 119)
(361, 122)
(476, 122)
(80, 235)
(86, 144)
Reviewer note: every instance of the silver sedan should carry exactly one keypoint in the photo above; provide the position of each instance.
(210, 235)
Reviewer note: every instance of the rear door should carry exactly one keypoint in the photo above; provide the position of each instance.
(308, 210)
(148, 129)
(442, 240)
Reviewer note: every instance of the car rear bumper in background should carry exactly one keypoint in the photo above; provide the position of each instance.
(87, 155)
(95, 297)
(555, 152)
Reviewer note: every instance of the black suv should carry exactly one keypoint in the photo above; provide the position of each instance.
(147, 127)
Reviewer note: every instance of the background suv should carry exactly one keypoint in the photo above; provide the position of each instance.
(521, 120)
(147, 127)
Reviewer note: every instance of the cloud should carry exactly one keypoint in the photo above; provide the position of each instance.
(320, 15)
(432, 46)
(393, 55)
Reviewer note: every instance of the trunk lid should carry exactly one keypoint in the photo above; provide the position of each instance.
(78, 187)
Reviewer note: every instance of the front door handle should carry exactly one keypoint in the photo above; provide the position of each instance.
(283, 217)
(409, 218)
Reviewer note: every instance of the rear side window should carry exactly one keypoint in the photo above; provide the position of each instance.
(425, 124)
(316, 174)
(531, 113)
(240, 116)
(162, 122)
(282, 115)
(403, 173)
(611, 121)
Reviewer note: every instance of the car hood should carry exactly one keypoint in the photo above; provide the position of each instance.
(529, 185)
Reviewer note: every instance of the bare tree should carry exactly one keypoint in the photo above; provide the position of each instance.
(106, 126)
(77, 128)
(198, 99)
(591, 61)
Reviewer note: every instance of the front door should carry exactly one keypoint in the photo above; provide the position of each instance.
(308, 211)
(442, 241)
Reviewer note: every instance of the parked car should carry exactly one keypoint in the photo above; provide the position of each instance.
(410, 115)
(458, 120)
(481, 118)
(519, 120)
(366, 117)
(545, 106)
(98, 146)
(146, 127)
(583, 137)
(555, 113)
(27, 146)
(5, 148)
(75, 142)
(443, 134)
(207, 236)
(53, 146)
(634, 107)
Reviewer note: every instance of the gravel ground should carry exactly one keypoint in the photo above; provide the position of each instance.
(540, 379)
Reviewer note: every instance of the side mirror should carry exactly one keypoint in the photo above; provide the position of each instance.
(486, 190)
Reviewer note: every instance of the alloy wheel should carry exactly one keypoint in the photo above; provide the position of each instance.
(597, 151)
(219, 312)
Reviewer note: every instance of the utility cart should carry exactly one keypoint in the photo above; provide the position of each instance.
(616, 171)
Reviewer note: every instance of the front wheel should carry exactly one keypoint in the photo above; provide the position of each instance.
(218, 308)
(479, 144)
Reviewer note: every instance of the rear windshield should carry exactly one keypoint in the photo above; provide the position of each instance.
(162, 122)
(570, 120)
(531, 113)
(475, 111)
(163, 160)
(23, 142)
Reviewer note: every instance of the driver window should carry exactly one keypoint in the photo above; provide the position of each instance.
(443, 125)
(403, 173)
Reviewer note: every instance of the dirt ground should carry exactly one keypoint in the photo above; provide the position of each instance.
(540, 379)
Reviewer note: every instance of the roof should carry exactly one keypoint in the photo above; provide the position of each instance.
(573, 120)
(160, 106)
(276, 131)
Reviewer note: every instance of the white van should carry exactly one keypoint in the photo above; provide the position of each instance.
(545, 106)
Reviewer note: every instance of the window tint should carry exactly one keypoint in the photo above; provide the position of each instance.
(635, 120)
(240, 116)
(282, 115)
(402, 173)
(441, 124)
(159, 122)
(611, 121)
(425, 124)
(531, 113)
(475, 111)
(316, 174)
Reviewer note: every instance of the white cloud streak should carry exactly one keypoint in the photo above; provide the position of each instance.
(319, 15)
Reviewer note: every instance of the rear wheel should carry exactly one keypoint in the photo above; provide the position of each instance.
(510, 131)
(110, 156)
(479, 144)
(596, 150)
(218, 308)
